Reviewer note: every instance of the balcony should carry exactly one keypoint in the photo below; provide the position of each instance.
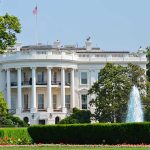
(26, 83)
(57, 110)
(41, 83)
(26, 110)
(13, 83)
(67, 83)
(56, 82)
(42, 109)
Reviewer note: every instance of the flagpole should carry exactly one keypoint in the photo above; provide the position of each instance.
(35, 13)
(36, 21)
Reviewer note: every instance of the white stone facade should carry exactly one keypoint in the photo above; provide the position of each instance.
(43, 83)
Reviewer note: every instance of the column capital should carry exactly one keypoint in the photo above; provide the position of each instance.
(18, 68)
(49, 67)
(7, 69)
(33, 68)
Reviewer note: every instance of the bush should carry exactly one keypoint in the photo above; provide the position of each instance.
(14, 136)
(78, 116)
(12, 121)
(131, 133)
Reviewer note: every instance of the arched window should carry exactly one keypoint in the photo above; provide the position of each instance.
(26, 120)
(57, 120)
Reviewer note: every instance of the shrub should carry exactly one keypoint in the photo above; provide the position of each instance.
(11, 121)
(131, 133)
(14, 136)
(78, 116)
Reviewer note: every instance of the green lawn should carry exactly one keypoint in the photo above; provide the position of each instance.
(73, 148)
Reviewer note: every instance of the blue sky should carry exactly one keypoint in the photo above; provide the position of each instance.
(112, 24)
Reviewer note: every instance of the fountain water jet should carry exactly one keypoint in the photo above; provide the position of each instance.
(135, 112)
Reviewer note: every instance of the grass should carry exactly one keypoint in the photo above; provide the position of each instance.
(60, 147)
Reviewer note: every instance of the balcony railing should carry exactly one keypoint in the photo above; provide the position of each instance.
(67, 83)
(13, 83)
(42, 110)
(56, 82)
(57, 110)
(26, 83)
(26, 110)
(41, 83)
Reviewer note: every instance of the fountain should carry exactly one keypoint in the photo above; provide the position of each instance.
(135, 112)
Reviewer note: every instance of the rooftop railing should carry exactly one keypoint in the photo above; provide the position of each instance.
(66, 55)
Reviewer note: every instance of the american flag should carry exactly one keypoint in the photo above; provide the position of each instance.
(35, 10)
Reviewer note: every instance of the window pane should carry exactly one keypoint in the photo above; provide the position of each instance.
(84, 101)
(40, 101)
(40, 76)
(25, 101)
(83, 77)
(54, 102)
(67, 101)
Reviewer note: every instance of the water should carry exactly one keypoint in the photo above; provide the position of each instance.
(135, 112)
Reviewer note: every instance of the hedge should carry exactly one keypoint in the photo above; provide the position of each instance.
(130, 133)
(14, 136)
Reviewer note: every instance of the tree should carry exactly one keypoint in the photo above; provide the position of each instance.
(138, 77)
(7, 119)
(3, 106)
(112, 91)
(148, 64)
(9, 26)
(78, 116)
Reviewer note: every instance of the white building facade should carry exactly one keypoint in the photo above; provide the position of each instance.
(43, 83)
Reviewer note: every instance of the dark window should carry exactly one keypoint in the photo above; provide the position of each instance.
(84, 101)
(83, 77)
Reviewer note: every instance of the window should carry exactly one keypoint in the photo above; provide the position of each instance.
(40, 101)
(25, 77)
(84, 101)
(83, 77)
(55, 77)
(67, 78)
(26, 101)
(67, 101)
(40, 77)
(54, 102)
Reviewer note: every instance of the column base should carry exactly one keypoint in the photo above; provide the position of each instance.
(33, 110)
(49, 110)
(18, 111)
(64, 109)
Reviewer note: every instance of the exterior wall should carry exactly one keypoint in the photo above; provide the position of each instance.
(90, 63)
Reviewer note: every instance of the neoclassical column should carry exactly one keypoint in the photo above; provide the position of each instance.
(19, 95)
(8, 89)
(49, 91)
(33, 100)
(63, 90)
(72, 89)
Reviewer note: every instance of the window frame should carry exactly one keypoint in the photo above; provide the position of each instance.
(42, 104)
(84, 106)
(87, 82)
(68, 104)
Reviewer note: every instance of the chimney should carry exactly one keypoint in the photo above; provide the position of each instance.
(56, 44)
(88, 44)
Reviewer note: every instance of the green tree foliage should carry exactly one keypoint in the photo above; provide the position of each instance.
(78, 116)
(138, 77)
(5, 118)
(9, 26)
(3, 106)
(112, 91)
(148, 64)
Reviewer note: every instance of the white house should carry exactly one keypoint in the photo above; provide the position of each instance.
(43, 83)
